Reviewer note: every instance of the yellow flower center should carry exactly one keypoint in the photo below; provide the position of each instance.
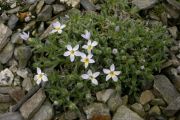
(57, 28)
(86, 60)
(112, 74)
(90, 47)
(72, 52)
(91, 77)
(40, 76)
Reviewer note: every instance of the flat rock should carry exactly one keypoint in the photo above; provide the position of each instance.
(5, 98)
(16, 39)
(146, 97)
(57, 8)
(5, 32)
(12, 21)
(32, 105)
(155, 110)
(11, 116)
(104, 95)
(138, 108)
(6, 77)
(6, 53)
(45, 112)
(124, 113)
(114, 102)
(45, 14)
(144, 4)
(17, 94)
(173, 107)
(165, 88)
(88, 5)
(95, 109)
(49, 1)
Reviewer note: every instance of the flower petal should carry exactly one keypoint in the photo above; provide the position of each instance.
(89, 42)
(59, 31)
(67, 53)
(85, 46)
(36, 77)
(38, 70)
(83, 55)
(85, 76)
(56, 24)
(53, 31)
(72, 58)
(108, 77)
(44, 78)
(86, 65)
(106, 71)
(90, 56)
(94, 81)
(117, 72)
(63, 26)
(89, 73)
(96, 74)
(76, 48)
(38, 81)
(115, 78)
(94, 43)
(91, 61)
(112, 67)
(77, 53)
(69, 47)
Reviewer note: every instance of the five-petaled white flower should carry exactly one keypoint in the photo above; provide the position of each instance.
(86, 59)
(87, 35)
(91, 76)
(90, 45)
(58, 27)
(24, 35)
(72, 52)
(111, 73)
(40, 76)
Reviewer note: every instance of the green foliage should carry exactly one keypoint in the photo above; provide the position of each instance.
(137, 44)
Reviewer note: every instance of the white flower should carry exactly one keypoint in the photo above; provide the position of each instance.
(111, 73)
(27, 19)
(72, 52)
(114, 51)
(90, 45)
(24, 36)
(40, 76)
(91, 76)
(58, 27)
(87, 59)
(142, 67)
(87, 35)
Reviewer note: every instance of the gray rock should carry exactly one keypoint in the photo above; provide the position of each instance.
(173, 13)
(114, 102)
(45, 14)
(6, 77)
(138, 108)
(39, 6)
(155, 110)
(15, 38)
(146, 97)
(32, 105)
(14, 10)
(173, 107)
(5, 32)
(158, 102)
(12, 21)
(96, 109)
(11, 116)
(49, 1)
(125, 100)
(124, 113)
(6, 53)
(104, 95)
(6, 90)
(57, 8)
(29, 26)
(22, 73)
(146, 107)
(5, 98)
(174, 31)
(30, 1)
(27, 84)
(45, 112)
(88, 5)
(144, 4)
(41, 28)
(17, 94)
(165, 88)
(174, 3)
(22, 54)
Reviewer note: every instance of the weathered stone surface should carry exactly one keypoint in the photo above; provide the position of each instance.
(173, 107)
(96, 109)
(57, 8)
(6, 53)
(22, 73)
(39, 6)
(45, 14)
(138, 108)
(5, 32)
(165, 88)
(144, 4)
(88, 5)
(6, 77)
(124, 113)
(45, 112)
(5, 98)
(12, 21)
(174, 31)
(49, 1)
(174, 3)
(158, 102)
(104, 95)
(155, 110)
(114, 102)
(6, 90)
(11, 116)
(17, 94)
(146, 97)
(32, 105)
(22, 54)
(15, 38)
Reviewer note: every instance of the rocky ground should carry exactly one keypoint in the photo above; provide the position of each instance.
(160, 99)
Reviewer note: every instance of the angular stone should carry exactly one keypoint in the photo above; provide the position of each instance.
(6, 77)
(5, 32)
(6, 90)
(22, 73)
(22, 54)
(57, 8)
(49, 1)
(6, 53)
(146, 97)
(155, 110)
(158, 102)
(124, 113)
(138, 108)
(15, 38)
(174, 31)
(5, 98)
(17, 94)
(32, 105)
(45, 112)
(144, 4)
(11, 116)
(114, 102)
(45, 14)
(12, 21)
(173, 107)
(104, 95)
(96, 109)
(39, 6)
(165, 88)
(88, 5)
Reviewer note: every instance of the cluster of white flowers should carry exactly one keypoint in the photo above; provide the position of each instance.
(73, 52)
